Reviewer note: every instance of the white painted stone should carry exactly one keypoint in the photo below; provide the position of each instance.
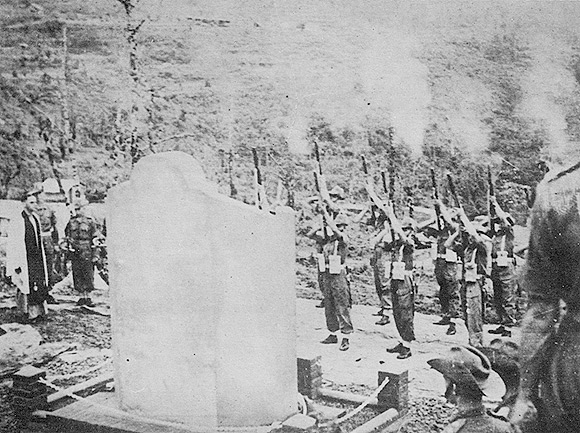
(203, 300)
(300, 422)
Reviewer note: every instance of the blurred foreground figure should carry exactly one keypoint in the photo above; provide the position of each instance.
(550, 345)
(469, 377)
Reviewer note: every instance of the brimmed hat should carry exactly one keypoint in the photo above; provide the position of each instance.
(469, 367)
(337, 191)
(408, 223)
(341, 220)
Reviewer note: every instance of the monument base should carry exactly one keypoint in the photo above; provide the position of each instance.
(100, 413)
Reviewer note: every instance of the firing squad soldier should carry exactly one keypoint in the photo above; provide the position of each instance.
(379, 244)
(335, 286)
(503, 268)
(403, 285)
(80, 233)
(381, 279)
(446, 267)
(476, 268)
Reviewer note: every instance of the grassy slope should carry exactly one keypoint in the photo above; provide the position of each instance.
(236, 74)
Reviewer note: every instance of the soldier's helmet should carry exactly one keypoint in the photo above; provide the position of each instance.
(337, 192)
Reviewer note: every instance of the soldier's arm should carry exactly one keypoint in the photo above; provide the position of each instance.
(333, 226)
(501, 214)
(469, 227)
(370, 189)
(451, 239)
(380, 236)
(446, 215)
(396, 224)
(312, 234)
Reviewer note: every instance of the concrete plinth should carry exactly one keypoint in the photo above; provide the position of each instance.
(203, 300)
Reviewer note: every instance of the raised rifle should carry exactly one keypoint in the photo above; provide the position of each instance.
(453, 191)
(491, 193)
(364, 164)
(320, 203)
(436, 196)
(390, 191)
(258, 178)
(317, 154)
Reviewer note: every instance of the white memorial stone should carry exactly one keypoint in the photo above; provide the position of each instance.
(203, 300)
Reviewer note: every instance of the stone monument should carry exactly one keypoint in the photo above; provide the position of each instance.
(203, 300)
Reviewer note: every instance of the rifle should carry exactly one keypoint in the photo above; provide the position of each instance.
(384, 178)
(490, 194)
(390, 192)
(320, 203)
(364, 164)
(436, 196)
(260, 192)
(317, 154)
(453, 191)
(373, 207)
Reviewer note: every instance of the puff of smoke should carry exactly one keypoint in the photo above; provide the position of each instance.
(548, 81)
(396, 80)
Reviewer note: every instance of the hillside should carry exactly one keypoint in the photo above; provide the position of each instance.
(463, 85)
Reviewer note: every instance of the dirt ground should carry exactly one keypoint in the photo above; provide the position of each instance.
(83, 339)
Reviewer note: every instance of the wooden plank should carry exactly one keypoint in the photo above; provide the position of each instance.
(96, 381)
(82, 416)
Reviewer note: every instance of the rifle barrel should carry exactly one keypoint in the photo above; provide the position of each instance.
(317, 154)
(257, 165)
(364, 164)
(384, 177)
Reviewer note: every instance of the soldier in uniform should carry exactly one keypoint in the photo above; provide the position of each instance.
(49, 235)
(469, 376)
(549, 351)
(403, 286)
(503, 268)
(446, 269)
(336, 289)
(476, 268)
(80, 232)
(382, 281)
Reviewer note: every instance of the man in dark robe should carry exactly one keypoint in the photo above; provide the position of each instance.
(26, 263)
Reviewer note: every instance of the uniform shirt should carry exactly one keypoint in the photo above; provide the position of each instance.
(80, 230)
(481, 254)
(406, 255)
(326, 245)
(506, 236)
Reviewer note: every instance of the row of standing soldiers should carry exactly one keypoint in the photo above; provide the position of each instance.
(470, 256)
